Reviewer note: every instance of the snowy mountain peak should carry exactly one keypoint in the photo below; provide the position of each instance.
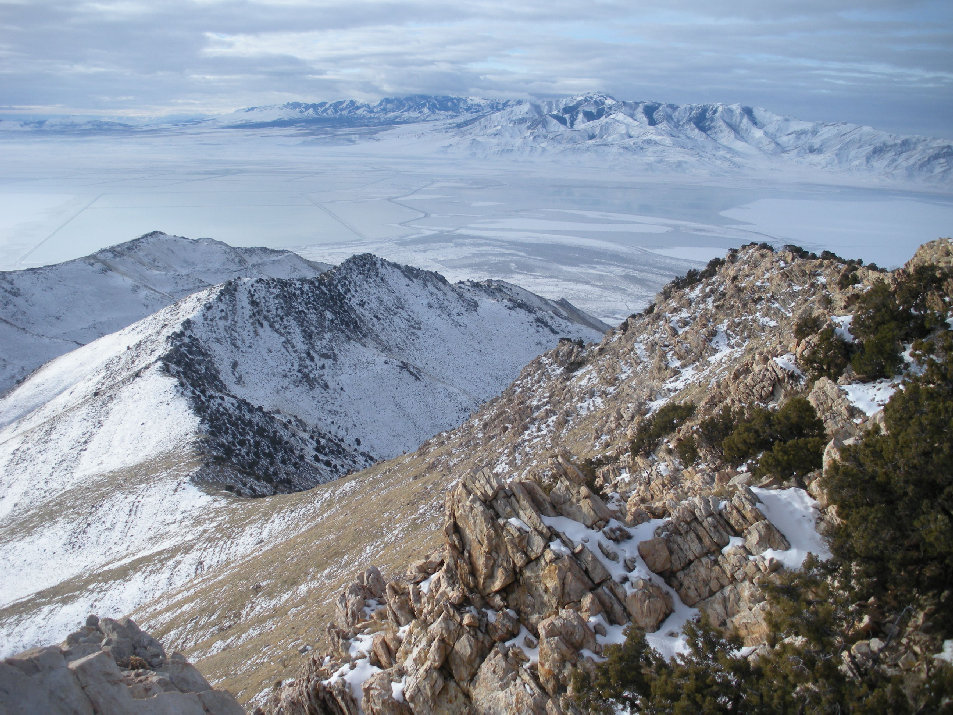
(702, 138)
(48, 311)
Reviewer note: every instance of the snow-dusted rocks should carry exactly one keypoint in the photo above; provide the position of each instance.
(46, 312)
(529, 586)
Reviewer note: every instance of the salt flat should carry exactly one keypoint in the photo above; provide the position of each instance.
(604, 236)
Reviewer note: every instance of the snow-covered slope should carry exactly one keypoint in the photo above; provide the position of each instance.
(299, 381)
(45, 312)
(257, 385)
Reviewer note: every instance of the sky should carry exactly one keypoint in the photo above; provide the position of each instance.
(884, 63)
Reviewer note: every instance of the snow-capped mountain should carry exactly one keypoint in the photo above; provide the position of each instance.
(256, 385)
(304, 380)
(351, 113)
(700, 135)
(48, 311)
(706, 138)
(661, 136)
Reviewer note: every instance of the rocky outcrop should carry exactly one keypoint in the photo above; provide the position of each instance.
(531, 584)
(938, 253)
(108, 666)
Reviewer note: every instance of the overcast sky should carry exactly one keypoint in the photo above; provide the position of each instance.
(885, 63)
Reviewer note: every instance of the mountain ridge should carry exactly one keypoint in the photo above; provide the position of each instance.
(127, 449)
(558, 512)
(713, 137)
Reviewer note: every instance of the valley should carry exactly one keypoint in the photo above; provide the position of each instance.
(460, 388)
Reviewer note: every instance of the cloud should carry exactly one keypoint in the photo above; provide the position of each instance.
(880, 62)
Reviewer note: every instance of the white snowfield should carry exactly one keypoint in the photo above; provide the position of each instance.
(46, 312)
(98, 511)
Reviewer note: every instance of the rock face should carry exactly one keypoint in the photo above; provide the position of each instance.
(529, 586)
(108, 666)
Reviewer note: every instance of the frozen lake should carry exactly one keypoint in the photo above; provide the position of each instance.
(602, 236)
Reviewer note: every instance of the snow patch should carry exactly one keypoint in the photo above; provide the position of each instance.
(842, 327)
(794, 513)
(871, 397)
(787, 362)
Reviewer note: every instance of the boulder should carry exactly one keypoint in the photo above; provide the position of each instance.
(502, 686)
(656, 555)
(648, 604)
(70, 679)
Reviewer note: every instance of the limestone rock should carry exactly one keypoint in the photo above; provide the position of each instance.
(656, 555)
(378, 696)
(833, 407)
(762, 536)
(71, 679)
(502, 686)
(648, 605)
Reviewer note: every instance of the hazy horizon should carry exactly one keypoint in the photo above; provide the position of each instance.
(886, 64)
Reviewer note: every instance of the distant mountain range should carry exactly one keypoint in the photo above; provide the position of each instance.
(696, 137)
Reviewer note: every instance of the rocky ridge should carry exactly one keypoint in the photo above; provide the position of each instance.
(565, 535)
(107, 666)
(528, 587)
